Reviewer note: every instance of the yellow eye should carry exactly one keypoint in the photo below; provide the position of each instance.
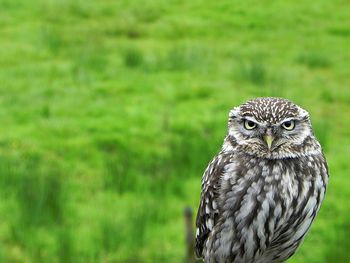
(249, 125)
(288, 125)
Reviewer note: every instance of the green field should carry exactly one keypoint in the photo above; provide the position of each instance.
(111, 110)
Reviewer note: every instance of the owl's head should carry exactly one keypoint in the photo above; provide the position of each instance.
(272, 128)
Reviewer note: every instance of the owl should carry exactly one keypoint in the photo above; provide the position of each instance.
(261, 193)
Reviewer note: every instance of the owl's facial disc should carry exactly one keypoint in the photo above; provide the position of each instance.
(268, 139)
(271, 128)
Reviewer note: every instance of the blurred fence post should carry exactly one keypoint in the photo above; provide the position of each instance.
(190, 257)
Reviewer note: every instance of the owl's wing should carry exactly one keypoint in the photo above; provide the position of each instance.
(208, 211)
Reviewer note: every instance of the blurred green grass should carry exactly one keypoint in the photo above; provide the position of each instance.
(111, 110)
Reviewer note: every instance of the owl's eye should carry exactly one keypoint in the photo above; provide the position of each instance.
(249, 125)
(288, 125)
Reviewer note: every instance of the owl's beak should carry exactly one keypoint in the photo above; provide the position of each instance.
(268, 139)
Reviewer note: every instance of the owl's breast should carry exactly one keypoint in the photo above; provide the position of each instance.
(267, 206)
(298, 188)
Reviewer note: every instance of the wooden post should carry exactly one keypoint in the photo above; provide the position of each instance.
(190, 257)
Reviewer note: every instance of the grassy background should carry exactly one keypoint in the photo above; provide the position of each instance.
(110, 111)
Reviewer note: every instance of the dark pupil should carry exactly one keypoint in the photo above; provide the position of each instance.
(251, 124)
(288, 124)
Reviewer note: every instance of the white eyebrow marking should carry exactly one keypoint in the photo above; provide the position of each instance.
(252, 119)
(287, 119)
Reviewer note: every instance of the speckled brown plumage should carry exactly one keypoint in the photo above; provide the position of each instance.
(261, 193)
